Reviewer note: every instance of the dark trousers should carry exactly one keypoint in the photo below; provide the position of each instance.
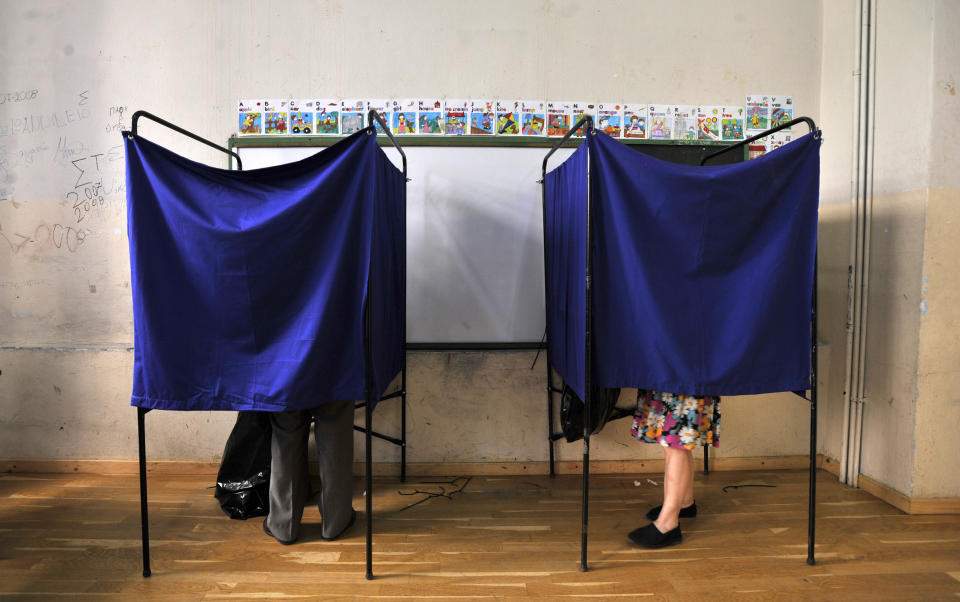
(289, 475)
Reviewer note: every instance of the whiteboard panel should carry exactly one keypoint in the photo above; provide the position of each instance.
(474, 240)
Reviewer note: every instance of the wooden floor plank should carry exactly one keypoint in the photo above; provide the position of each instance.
(77, 536)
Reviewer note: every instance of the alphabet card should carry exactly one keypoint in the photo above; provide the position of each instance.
(483, 117)
(383, 108)
(731, 123)
(579, 110)
(533, 118)
(250, 117)
(430, 116)
(777, 139)
(301, 117)
(685, 122)
(758, 113)
(352, 116)
(508, 117)
(781, 110)
(275, 117)
(708, 123)
(610, 118)
(456, 117)
(327, 113)
(661, 122)
(558, 118)
(635, 121)
(404, 117)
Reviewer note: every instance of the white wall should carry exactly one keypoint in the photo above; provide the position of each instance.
(65, 318)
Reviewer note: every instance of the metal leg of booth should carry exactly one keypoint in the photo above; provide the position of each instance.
(368, 495)
(144, 528)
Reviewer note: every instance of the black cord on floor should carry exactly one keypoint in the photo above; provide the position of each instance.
(459, 482)
(745, 485)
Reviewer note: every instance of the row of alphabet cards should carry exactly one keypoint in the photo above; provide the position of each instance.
(450, 117)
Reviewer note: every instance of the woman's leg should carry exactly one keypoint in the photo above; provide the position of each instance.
(677, 487)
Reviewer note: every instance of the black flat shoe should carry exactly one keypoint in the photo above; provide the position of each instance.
(353, 519)
(651, 537)
(267, 531)
(688, 512)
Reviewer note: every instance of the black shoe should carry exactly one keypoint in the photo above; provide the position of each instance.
(353, 519)
(267, 531)
(688, 512)
(651, 537)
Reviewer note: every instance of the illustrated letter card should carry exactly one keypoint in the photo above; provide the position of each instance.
(731, 123)
(483, 117)
(634, 121)
(404, 117)
(758, 113)
(327, 113)
(610, 118)
(577, 112)
(777, 139)
(352, 116)
(558, 118)
(301, 117)
(781, 110)
(430, 116)
(708, 123)
(508, 117)
(383, 108)
(275, 116)
(250, 117)
(685, 122)
(456, 117)
(533, 114)
(661, 122)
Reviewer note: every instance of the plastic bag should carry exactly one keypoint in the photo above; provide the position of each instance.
(243, 481)
(602, 403)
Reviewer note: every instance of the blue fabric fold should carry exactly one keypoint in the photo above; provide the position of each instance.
(702, 276)
(249, 286)
(566, 266)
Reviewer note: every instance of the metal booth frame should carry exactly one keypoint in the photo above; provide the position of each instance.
(587, 123)
(366, 404)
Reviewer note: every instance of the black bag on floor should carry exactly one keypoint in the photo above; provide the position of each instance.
(602, 403)
(243, 482)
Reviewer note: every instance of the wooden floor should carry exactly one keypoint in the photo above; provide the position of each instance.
(78, 537)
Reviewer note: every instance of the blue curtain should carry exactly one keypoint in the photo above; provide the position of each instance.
(702, 276)
(249, 286)
(566, 266)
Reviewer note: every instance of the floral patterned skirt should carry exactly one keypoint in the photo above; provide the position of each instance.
(679, 421)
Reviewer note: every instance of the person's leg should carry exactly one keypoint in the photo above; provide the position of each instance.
(688, 492)
(289, 478)
(334, 437)
(677, 485)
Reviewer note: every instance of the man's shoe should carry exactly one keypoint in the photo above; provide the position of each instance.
(353, 519)
(688, 512)
(651, 537)
(267, 531)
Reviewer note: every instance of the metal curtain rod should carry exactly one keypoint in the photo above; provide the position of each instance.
(586, 119)
(374, 116)
(783, 126)
(176, 128)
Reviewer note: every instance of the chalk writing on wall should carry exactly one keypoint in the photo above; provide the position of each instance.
(18, 96)
(34, 123)
(43, 237)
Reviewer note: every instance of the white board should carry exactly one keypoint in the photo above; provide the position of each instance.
(474, 240)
